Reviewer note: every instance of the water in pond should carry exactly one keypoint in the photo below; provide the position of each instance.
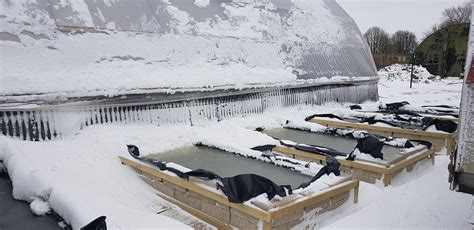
(226, 164)
(341, 144)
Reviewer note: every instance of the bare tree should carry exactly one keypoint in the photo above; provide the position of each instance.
(452, 16)
(403, 42)
(378, 39)
(433, 29)
(456, 15)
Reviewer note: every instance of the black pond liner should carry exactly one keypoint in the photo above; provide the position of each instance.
(442, 110)
(371, 144)
(243, 187)
(399, 119)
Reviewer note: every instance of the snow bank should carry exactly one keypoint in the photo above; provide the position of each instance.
(82, 179)
(420, 199)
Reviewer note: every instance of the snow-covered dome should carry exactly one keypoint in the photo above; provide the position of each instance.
(175, 44)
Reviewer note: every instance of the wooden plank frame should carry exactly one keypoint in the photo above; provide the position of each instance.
(267, 217)
(388, 172)
(440, 117)
(439, 140)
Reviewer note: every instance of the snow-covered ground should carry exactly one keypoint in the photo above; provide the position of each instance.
(428, 89)
(81, 177)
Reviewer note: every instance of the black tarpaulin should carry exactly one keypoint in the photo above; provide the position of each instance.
(431, 109)
(373, 120)
(319, 150)
(369, 145)
(244, 187)
(394, 106)
(325, 115)
(420, 142)
(332, 166)
(443, 125)
(355, 107)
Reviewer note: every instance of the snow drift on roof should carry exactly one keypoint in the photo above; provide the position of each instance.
(175, 43)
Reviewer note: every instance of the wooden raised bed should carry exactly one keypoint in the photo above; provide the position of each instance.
(363, 170)
(440, 117)
(215, 209)
(438, 139)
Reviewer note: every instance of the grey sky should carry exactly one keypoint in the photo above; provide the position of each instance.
(392, 15)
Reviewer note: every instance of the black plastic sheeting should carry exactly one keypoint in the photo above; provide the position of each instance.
(354, 107)
(324, 115)
(394, 106)
(351, 134)
(97, 224)
(368, 145)
(399, 118)
(313, 148)
(429, 109)
(443, 125)
(243, 187)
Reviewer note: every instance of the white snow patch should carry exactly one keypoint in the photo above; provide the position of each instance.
(420, 199)
(201, 3)
(39, 207)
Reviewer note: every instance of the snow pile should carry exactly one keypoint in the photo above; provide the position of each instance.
(444, 92)
(201, 3)
(402, 72)
(39, 207)
(82, 179)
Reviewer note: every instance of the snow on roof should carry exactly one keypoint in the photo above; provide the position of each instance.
(174, 44)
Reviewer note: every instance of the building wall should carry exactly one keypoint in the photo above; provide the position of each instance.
(382, 60)
(462, 170)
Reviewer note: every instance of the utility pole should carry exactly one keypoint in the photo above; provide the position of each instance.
(412, 67)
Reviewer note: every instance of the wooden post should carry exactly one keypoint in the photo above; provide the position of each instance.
(387, 179)
(356, 193)
(433, 158)
(449, 145)
(267, 225)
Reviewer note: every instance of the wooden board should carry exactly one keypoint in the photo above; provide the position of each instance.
(315, 198)
(200, 215)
